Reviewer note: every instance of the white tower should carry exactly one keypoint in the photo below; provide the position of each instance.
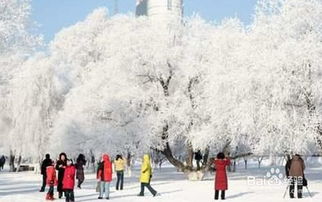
(160, 9)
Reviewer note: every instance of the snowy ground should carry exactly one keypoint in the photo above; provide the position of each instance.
(170, 184)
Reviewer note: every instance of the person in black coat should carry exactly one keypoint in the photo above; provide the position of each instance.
(198, 158)
(80, 163)
(288, 166)
(2, 162)
(60, 166)
(45, 163)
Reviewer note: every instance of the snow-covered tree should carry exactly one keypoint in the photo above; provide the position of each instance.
(34, 102)
(130, 85)
(286, 46)
(16, 44)
(208, 87)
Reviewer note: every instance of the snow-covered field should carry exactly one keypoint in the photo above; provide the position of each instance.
(16, 187)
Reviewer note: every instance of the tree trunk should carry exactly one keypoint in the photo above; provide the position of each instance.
(189, 159)
(206, 157)
(92, 160)
(190, 173)
(319, 136)
(260, 159)
(245, 160)
(168, 154)
(188, 168)
(128, 164)
(18, 163)
(11, 161)
(232, 168)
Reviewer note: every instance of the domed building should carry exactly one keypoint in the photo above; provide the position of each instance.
(160, 9)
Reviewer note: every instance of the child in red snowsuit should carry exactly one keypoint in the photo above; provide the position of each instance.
(51, 181)
(69, 181)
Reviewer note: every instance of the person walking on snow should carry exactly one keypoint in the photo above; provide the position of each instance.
(80, 163)
(46, 162)
(2, 162)
(198, 158)
(296, 175)
(146, 175)
(119, 166)
(51, 180)
(104, 175)
(69, 181)
(221, 181)
(60, 166)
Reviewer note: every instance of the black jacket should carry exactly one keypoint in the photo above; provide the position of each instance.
(61, 170)
(44, 165)
(288, 167)
(80, 162)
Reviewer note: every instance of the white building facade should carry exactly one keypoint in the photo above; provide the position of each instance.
(161, 10)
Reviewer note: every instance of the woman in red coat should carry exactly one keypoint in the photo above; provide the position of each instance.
(221, 181)
(104, 176)
(69, 181)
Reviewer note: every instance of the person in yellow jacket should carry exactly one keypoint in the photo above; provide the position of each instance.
(146, 175)
(119, 166)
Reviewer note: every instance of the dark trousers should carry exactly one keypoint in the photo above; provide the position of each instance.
(147, 185)
(60, 187)
(44, 178)
(51, 191)
(120, 180)
(80, 182)
(198, 164)
(217, 194)
(299, 182)
(69, 193)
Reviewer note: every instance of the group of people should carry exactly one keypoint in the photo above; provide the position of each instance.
(67, 171)
(294, 170)
(66, 176)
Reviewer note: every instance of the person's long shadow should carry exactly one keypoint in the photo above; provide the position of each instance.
(4, 182)
(238, 195)
(87, 195)
(122, 196)
(307, 195)
(13, 192)
(127, 186)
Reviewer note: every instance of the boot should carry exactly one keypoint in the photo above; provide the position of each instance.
(52, 198)
(47, 196)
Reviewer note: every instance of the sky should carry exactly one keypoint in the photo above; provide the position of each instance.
(53, 15)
